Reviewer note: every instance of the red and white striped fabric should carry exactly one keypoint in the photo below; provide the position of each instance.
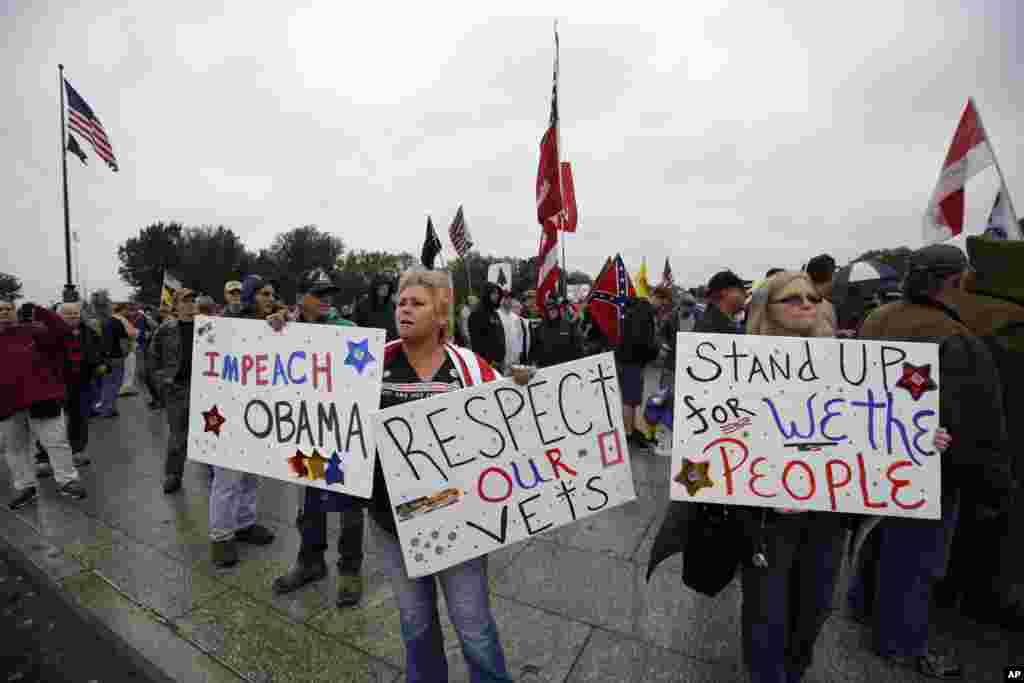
(473, 369)
(969, 154)
(82, 120)
(461, 239)
(549, 198)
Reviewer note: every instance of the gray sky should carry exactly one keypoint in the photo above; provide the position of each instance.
(724, 135)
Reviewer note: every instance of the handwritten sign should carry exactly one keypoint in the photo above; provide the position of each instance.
(293, 405)
(809, 424)
(479, 469)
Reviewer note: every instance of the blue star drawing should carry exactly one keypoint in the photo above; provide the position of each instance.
(359, 355)
(334, 474)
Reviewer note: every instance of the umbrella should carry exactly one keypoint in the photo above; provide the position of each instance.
(856, 283)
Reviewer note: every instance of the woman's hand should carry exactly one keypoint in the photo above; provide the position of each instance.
(942, 440)
(522, 374)
(278, 320)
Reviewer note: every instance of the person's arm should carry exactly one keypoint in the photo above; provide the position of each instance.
(55, 330)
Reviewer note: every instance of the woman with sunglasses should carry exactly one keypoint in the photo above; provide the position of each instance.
(787, 599)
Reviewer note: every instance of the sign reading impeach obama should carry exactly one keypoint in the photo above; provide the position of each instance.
(809, 424)
(475, 470)
(293, 405)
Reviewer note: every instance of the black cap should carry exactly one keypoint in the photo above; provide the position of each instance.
(942, 259)
(821, 265)
(318, 283)
(726, 279)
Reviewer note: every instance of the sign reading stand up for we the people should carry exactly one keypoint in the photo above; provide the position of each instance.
(293, 405)
(475, 470)
(808, 424)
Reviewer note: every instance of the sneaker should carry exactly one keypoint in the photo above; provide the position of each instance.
(299, 575)
(224, 554)
(26, 497)
(257, 534)
(80, 460)
(44, 470)
(73, 490)
(172, 483)
(350, 590)
(636, 440)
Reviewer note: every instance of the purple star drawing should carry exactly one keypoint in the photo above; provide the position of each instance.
(359, 355)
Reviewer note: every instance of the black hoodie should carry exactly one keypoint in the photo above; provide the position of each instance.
(378, 312)
(486, 333)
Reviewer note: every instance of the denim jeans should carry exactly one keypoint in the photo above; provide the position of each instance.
(111, 387)
(20, 432)
(466, 593)
(232, 502)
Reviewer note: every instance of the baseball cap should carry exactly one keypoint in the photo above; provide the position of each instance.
(725, 279)
(318, 283)
(232, 286)
(823, 264)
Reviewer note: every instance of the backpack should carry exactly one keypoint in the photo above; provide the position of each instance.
(638, 338)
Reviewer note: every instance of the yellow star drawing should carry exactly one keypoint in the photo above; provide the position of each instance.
(316, 464)
(694, 476)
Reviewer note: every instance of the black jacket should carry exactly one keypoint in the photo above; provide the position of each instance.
(486, 333)
(378, 312)
(555, 342)
(715, 321)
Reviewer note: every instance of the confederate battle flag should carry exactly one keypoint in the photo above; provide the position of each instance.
(608, 298)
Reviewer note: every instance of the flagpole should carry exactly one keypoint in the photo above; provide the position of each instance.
(995, 159)
(69, 287)
(564, 280)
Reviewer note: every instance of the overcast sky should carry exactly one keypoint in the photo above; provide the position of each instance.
(718, 134)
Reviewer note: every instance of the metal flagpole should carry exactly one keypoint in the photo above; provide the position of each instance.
(564, 279)
(995, 160)
(69, 287)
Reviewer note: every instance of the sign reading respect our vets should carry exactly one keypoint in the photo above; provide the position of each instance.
(293, 405)
(475, 470)
(809, 424)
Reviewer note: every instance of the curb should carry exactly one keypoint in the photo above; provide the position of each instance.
(119, 645)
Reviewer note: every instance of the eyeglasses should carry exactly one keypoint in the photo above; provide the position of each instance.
(797, 299)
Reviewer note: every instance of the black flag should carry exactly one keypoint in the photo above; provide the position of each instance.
(75, 149)
(431, 246)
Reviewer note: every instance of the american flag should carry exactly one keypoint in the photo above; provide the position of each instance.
(666, 276)
(82, 120)
(549, 198)
(461, 239)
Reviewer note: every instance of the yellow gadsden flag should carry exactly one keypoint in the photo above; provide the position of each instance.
(643, 289)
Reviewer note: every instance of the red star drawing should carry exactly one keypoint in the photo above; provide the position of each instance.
(917, 380)
(214, 420)
(298, 464)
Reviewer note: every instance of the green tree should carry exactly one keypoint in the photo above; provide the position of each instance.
(299, 250)
(10, 287)
(144, 258)
(210, 256)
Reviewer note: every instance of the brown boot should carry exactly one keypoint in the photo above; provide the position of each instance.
(224, 554)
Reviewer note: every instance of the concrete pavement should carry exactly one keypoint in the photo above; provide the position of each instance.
(571, 604)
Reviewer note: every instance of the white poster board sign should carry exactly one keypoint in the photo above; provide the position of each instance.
(501, 275)
(808, 424)
(475, 470)
(293, 405)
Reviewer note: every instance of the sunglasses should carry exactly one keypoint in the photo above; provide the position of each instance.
(797, 299)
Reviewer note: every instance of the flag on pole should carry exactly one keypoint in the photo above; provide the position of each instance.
(84, 121)
(608, 298)
(171, 285)
(568, 199)
(1002, 223)
(76, 149)
(549, 198)
(666, 275)
(643, 288)
(459, 233)
(969, 154)
(431, 246)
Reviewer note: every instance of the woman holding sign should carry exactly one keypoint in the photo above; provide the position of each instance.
(419, 365)
(789, 581)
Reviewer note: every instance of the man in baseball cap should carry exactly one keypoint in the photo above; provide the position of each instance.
(726, 294)
(822, 270)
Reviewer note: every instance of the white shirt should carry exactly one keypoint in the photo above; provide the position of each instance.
(517, 337)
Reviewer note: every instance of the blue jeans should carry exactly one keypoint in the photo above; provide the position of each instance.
(232, 502)
(111, 387)
(466, 592)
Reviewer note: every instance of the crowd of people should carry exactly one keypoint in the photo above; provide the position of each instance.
(60, 370)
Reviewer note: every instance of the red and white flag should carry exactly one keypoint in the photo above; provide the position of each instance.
(568, 199)
(969, 153)
(459, 233)
(549, 198)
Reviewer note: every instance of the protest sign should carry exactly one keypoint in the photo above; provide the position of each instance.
(809, 424)
(475, 470)
(293, 405)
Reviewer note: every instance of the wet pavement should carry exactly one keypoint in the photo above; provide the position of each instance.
(571, 604)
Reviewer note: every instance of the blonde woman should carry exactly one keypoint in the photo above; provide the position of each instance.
(785, 603)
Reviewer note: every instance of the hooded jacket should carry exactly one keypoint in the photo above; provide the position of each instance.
(32, 356)
(486, 332)
(377, 312)
(554, 342)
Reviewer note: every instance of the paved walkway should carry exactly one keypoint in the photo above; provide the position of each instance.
(571, 605)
